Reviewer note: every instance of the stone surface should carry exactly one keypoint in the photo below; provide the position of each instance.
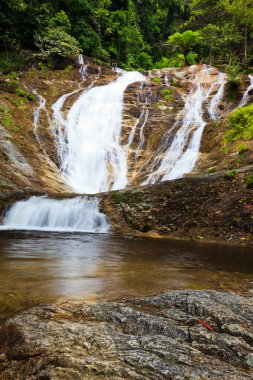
(179, 335)
(211, 207)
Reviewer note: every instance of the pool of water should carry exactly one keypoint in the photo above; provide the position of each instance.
(42, 267)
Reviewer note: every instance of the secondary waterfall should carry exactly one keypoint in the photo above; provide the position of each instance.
(93, 159)
(246, 95)
(181, 155)
(42, 213)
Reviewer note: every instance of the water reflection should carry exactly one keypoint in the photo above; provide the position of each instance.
(40, 267)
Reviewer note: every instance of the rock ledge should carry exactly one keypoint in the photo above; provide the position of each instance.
(178, 335)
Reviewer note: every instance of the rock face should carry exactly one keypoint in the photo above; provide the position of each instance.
(211, 207)
(179, 335)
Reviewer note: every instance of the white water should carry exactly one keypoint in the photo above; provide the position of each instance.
(37, 113)
(42, 213)
(93, 159)
(213, 109)
(245, 97)
(83, 67)
(181, 155)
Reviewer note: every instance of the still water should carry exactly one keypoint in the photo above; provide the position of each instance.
(41, 267)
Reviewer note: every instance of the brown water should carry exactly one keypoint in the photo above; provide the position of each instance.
(38, 267)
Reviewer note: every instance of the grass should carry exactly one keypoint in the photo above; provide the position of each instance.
(167, 95)
(5, 117)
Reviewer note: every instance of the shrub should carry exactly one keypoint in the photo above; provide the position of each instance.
(242, 148)
(167, 95)
(27, 95)
(249, 180)
(231, 174)
(156, 80)
(5, 116)
(234, 80)
(240, 124)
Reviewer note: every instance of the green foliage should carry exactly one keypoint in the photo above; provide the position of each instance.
(136, 34)
(249, 180)
(184, 42)
(231, 174)
(24, 94)
(242, 148)
(11, 61)
(167, 95)
(56, 43)
(240, 124)
(234, 80)
(5, 117)
(156, 80)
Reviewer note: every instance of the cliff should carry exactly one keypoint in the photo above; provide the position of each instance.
(213, 201)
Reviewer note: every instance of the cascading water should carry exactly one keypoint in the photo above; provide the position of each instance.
(181, 156)
(42, 213)
(246, 95)
(37, 113)
(83, 67)
(93, 159)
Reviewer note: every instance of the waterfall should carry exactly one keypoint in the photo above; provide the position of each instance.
(45, 214)
(246, 95)
(213, 109)
(37, 113)
(93, 159)
(83, 67)
(181, 155)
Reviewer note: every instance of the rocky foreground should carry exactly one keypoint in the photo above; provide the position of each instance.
(179, 335)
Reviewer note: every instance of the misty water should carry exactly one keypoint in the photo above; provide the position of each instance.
(42, 267)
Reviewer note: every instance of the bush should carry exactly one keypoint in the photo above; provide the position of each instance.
(27, 95)
(234, 80)
(240, 124)
(242, 148)
(231, 174)
(11, 61)
(167, 95)
(249, 180)
(5, 117)
(56, 43)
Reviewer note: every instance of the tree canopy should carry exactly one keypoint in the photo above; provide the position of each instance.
(137, 34)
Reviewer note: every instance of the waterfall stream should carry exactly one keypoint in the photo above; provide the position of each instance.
(93, 159)
(181, 155)
(42, 213)
(246, 95)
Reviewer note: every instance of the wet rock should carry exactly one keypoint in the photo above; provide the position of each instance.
(179, 335)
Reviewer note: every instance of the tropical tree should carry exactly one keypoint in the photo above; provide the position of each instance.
(184, 42)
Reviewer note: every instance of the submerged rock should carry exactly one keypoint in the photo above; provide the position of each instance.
(179, 335)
